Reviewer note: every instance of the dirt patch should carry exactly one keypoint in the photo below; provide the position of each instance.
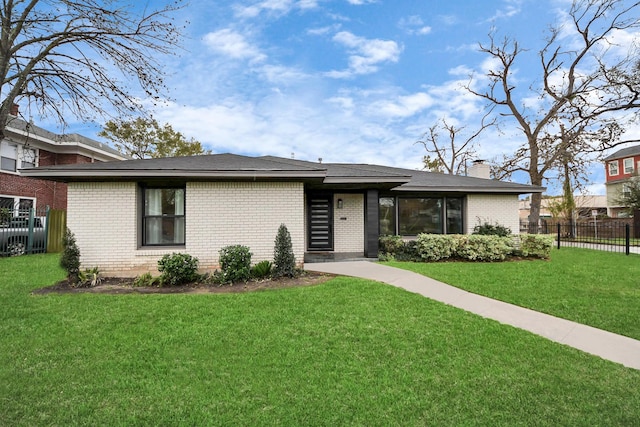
(119, 285)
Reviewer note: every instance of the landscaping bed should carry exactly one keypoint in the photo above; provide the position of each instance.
(120, 285)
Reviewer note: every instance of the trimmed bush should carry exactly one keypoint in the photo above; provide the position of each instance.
(284, 261)
(536, 245)
(478, 247)
(390, 244)
(261, 270)
(70, 258)
(235, 263)
(435, 247)
(178, 269)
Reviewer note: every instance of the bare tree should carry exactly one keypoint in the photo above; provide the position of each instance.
(582, 85)
(451, 156)
(80, 57)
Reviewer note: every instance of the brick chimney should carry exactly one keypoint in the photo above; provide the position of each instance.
(15, 108)
(480, 169)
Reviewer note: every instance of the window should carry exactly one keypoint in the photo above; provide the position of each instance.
(613, 168)
(454, 216)
(409, 216)
(14, 157)
(163, 222)
(387, 214)
(8, 157)
(28, 159)
(628, 166)
(13, 206)
(626, 190)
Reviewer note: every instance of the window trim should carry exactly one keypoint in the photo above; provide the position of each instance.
(143, 217)
(614, 164)
(624, 165)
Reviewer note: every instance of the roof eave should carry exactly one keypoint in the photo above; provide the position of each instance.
(468, 190)
(366, 180)
(66, 174)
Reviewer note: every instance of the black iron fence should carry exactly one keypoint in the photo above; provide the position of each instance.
(603, 234)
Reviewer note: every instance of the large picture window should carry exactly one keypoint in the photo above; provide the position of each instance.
(409, 216)
(163, 221)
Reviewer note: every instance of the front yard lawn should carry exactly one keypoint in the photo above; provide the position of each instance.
(347, 352)
(596, 288)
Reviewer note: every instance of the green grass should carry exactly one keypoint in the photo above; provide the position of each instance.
(596, 288)
(348, 352)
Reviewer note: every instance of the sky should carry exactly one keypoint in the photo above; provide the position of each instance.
(343, 80)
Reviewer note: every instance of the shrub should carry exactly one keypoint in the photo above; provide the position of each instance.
(146, 280)
(88, 278)
(536, 245)
(483, 248)
(487, 229)
(390, 244)
(178, 268)
(284, 261)
(70, 258)
(261, 270)
(435, 247)
(235, 263)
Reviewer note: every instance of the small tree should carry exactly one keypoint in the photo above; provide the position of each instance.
(70, 259)
(284, 261)
(629, 197)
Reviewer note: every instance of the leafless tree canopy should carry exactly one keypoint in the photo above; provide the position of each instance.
(583, 83)
(451, 155)
(83, 57)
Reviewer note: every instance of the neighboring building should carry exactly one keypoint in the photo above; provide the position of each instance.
(619, 167)
(126, 215)
(27, 146)
(585, 206)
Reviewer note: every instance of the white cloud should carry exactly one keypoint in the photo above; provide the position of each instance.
(232, 44)
(511, 8)
(275, 7)
(365, 54)
(414, 25)
(403, 106)
(360, 2)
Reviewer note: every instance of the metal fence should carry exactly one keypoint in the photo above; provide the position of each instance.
(23, 231)
(605, 234)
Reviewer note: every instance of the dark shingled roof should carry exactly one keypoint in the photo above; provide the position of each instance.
(231, 166)
(625, 152)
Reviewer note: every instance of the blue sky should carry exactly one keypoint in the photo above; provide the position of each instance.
(342, 80)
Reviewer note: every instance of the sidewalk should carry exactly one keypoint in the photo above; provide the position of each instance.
(607, 345)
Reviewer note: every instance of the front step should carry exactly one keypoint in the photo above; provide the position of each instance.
(311, 257)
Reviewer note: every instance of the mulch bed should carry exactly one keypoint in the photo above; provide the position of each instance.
(119, 285)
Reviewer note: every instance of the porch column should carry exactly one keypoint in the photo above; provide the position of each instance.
(371, 223)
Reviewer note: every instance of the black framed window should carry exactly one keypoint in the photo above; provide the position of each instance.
(163, 220)
(409, 216)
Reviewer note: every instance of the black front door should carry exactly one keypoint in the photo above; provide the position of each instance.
(320, 222)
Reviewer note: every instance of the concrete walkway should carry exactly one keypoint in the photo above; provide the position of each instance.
(607, 345)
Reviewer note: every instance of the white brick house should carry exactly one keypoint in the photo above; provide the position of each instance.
(127, 214)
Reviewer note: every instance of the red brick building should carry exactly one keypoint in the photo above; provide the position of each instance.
(26, 146)
(619, 168)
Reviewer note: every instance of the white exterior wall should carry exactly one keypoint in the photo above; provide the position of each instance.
(105, 219)
(492, 208)
(220, 214)
(348, 229)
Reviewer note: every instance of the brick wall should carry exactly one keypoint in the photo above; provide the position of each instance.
(46, 193)
(104, 217)
(492, 208)
(348, 223)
